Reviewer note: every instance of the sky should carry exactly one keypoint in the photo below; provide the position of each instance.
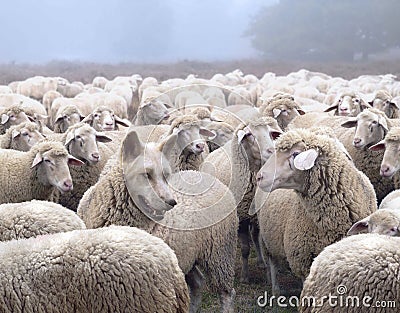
(113, 31)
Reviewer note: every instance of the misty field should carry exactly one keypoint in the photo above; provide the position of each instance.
(246, 294)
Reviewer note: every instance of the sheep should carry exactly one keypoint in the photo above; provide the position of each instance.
(48, 99)
(236, 165)
(5, 89)
(151, 112)
(327, 195)
(371, 127)
(67, 116)
(111, 101)
(283, 109)
(86, 144)
(214, 96)
(383, 101)
(188, 97)
(113, 269)
(27, 104)
(36, 87)
(35, 174)
(13, 115)
(99, 82)
(356, 272)
(390, 162)
(104, 119)
(240, 95)
(385, 221)
(33, 218)
(198, 222)
(348, 103)
(21, 137)
(69, 90)
(223, 132)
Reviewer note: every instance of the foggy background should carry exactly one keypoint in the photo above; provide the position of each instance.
(38, 31)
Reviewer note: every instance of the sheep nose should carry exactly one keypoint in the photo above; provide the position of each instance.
(356, 141)
(385, 170)
(68, 183)
(95, 155)
(171, 202)
(200, 146)
(109, 123)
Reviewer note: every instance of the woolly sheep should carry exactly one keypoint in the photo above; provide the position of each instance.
(69, 90)
(36, 87)
(296, 224)
(385, 221)
(48, 99)
(99, 82)
(113, 269)
(151, 112)
(201, 227)
(35, 174)
(359, 270)
(33, 218)
(66, 116)
(281, 108)
(104, 119)
(186, 97)
(29, 105)
(5, 89)
(383, 101)
(348, 103)
(214, 96)
(21, 137)
(236, 164)
(13, 115)
(86, 144)
(112, 101)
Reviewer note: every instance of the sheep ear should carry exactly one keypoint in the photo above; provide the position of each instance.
(30, 118)
(58, 119)
(15, 133)
(74, 161)
(350, 123)
(276, 112)
(332, 108)
(4, 118)
(305, 160)
(378, 146)
(359, 227)
(131, 147)
(382, 121)
(395, 102)
(81, 117)
(300, 111)
(88, 119)
(207, 133)
(70, 136)
(167, 144)
(121, 121)
(213, 136)
(274, 133)
(38, 159)
(242, 133)
(100, 137)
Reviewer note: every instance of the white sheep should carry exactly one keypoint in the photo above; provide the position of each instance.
(70, 90)
(66, 116)
(33, 218)
(327, 195)
(113, 269)
(356, 273)
(104, 119)
(236, 164)
(348, 103)
(99, 82)
(21, 137)
(26, 103)
(12, 116)
(195, 212)
(5, 89)
(35, 87)
(48, 99)
(35, 174)
(151, 112)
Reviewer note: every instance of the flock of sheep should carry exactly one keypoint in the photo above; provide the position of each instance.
(130, 194)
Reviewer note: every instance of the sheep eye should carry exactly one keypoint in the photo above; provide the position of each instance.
(374, 122)
(96, 115)
(357, 100)
(65, 117)
(24, 134)
(77, 137)
(295, 154)
(147, 175)
(47, 160)
(393, 229)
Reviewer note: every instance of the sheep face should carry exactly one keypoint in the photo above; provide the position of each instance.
(370, 129)
(386, 106)
(348, 105)
(82, 143)
(284, 115)
(11, 117)
(189, 138)
(104, 119)
(25, 138)
(65, 120)
(383, 222)
(52, 169)
(391, 161)
(222, 133)
(154, 111)
(258, 143)
(286, 168)
(146, 170)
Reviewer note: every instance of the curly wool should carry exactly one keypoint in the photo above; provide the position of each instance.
(186, 121)
(268, 108)
(6, 140)
(365, 264)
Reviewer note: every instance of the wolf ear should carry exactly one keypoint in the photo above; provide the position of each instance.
(305, 160)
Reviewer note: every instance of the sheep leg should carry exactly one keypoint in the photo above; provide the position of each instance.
(255, 232)
(276, 291)
(195, 279)
(227, 301)
(244, 236)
